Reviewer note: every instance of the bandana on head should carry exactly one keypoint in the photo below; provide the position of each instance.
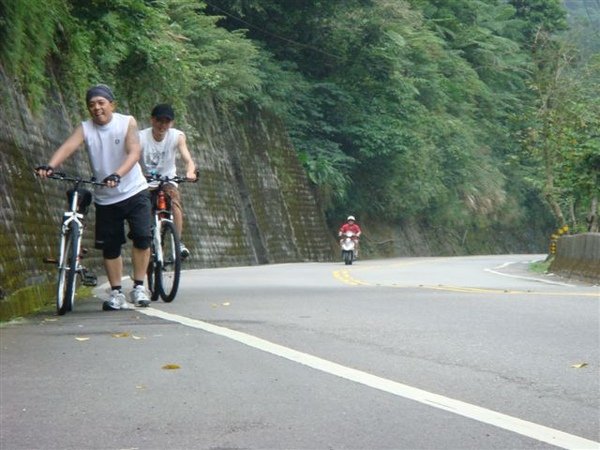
(100, 90)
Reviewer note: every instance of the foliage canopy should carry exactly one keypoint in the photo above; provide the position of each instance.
(464, 115)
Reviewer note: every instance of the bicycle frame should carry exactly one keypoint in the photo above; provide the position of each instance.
(160, 215)
(70, 246)
(68, 218)
(164, 269)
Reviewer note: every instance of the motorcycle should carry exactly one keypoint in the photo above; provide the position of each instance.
(348, 244)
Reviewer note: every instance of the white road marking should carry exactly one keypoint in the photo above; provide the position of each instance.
(513, 424)
(541, 280)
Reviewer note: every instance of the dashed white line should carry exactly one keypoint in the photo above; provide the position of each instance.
(513, 424)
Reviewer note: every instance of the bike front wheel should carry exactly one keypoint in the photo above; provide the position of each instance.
(67, 271)
(348, 256)
(151, 273)
(169, 269)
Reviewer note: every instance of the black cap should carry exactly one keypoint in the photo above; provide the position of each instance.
(163, 110)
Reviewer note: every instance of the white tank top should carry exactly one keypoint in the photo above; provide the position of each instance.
(106, 149)
(160, 156)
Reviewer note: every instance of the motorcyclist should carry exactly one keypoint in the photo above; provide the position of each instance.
(352, 226)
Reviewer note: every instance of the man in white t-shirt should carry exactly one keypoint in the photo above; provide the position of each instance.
(161, 144)
(113, 146)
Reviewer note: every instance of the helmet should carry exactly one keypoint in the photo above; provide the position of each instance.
(351, 218)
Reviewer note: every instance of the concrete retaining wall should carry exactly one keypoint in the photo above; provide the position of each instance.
(578, 256)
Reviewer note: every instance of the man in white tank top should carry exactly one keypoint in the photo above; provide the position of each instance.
(113, 147)
(161, 144)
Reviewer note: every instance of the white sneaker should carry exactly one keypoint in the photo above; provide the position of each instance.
(115, 302)
(139, 297)
(183, 250)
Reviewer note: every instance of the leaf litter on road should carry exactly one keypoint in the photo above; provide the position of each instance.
(123, 334)
(579, 365)
(171, 367)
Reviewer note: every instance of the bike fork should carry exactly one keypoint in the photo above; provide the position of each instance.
(63, 257)
(158, 256)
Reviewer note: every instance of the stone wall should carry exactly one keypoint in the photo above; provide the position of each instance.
(252, 205)
(578, 256)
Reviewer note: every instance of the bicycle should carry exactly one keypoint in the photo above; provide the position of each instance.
(70, 250)
(164, 269)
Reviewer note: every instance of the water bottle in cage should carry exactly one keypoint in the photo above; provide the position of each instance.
(161, 201)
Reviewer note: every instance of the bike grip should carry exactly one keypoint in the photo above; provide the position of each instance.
(47, 168)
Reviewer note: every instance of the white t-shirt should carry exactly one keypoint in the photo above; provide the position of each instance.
(159, 156)
(105, 145)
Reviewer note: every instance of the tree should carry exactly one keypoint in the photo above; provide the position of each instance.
(562, 132)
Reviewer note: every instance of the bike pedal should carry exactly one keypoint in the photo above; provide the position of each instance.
(89, 281)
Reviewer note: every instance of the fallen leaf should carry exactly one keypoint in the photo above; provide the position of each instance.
(48, 319)
(226, 304)
(82, 338)
(137, 338)
(140, 386)
(120, 335)
(579, 366)
(171, 367)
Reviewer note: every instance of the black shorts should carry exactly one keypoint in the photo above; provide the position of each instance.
(110, 220)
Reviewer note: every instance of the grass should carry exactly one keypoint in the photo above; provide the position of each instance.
(540, 266)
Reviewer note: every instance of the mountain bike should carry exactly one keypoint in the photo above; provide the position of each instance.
(70, 250)
(164, 269)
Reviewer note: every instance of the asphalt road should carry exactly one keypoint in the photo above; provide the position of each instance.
(411, 353)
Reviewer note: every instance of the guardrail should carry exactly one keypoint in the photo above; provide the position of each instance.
(578, 256)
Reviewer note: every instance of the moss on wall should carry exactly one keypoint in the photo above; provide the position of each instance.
(26, 300)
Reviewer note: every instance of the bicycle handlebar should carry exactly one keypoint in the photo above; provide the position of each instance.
(64, 177)
(166, 179)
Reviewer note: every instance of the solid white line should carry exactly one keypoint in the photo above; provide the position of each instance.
(513, 424)
(541, 280)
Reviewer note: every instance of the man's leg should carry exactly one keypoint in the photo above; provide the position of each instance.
(110, 235)
(177, 219)
(140, 259)
(114, 270)
(176, 207)
(177, 211)
(138, 216)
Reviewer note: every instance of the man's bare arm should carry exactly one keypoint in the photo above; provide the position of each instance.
(63, 152)
(132, 148)
(186, 156)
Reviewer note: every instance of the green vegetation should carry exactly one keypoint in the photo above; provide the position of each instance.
(465, 116)
(540, 266)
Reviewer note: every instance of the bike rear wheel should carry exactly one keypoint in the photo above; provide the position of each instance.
(169, 269)
(67, 271)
